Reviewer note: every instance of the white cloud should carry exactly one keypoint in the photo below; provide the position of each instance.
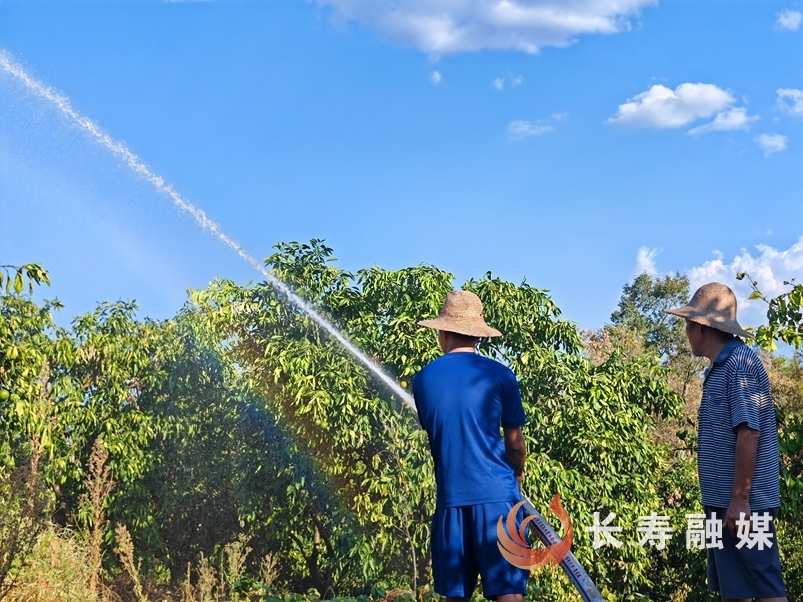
(450, 26)
(732, 119)
(771, 143)
(436, 77)
(661, 107)
(795, 103)
(645, 261)
(770, 268)
(789, 19)
(499, 82)
(524, 129)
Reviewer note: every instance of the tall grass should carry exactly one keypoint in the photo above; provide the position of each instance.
(57, 571)
(24, 508)
(99, 486)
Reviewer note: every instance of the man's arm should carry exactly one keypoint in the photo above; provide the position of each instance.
(746, 444)
(516, 450)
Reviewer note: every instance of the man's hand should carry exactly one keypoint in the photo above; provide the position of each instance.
(736, 507)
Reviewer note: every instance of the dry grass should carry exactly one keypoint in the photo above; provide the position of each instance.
(207, 580)
(268, 570)
(99, 485)
(57, 571)
(235, 555)
(24, 507)
(64, 566)
(51, 564)
(125, 552)
(187, 590)
(60, 568)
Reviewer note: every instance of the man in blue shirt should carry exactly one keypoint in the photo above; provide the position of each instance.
(465, 401)
(737, 452)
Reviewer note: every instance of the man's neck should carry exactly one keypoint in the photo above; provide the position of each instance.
(713, 349)
(461, 350)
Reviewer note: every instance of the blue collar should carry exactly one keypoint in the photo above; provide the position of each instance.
(729, 348)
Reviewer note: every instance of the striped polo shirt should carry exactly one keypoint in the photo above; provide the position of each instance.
(736, 391)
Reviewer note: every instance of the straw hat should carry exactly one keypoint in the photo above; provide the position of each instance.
(462, 313)
(713, 305)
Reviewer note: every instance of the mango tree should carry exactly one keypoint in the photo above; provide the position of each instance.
(588, 435)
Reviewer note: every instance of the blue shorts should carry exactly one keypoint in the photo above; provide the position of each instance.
(464, 545)
(745, 573)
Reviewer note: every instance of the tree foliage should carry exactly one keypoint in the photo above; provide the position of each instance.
(785, 324)
(641, 311)
(588, 431)
(784, 315)
(239, 417)
(639, 327)
(14, 278)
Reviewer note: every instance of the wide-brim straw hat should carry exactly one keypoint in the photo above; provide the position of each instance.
(713, 305)
(462, 313)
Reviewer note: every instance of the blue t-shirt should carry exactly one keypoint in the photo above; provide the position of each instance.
(463, 399)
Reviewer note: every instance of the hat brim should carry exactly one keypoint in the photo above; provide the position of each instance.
(469, 328)
(695, 315)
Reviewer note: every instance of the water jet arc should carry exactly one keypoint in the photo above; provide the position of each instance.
(121, 151)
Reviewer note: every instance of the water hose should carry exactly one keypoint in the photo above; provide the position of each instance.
(573, 569)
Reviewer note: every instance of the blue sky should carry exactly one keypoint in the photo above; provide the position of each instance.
(570, 143)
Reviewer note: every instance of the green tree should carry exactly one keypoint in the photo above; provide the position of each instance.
(67, 389)
(241, 416)
(641, 310)
(639, 326)
(25, 504)
(589, 433)
(785, 324)
(641, 329)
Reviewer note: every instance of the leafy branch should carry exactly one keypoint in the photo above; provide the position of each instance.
(784, 315)
(15, 277)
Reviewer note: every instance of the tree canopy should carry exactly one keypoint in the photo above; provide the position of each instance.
(239, 417)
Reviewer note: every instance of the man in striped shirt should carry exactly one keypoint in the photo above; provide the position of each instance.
(737, 454)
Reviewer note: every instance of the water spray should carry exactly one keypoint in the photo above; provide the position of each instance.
(545, 532)
(136, 164)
